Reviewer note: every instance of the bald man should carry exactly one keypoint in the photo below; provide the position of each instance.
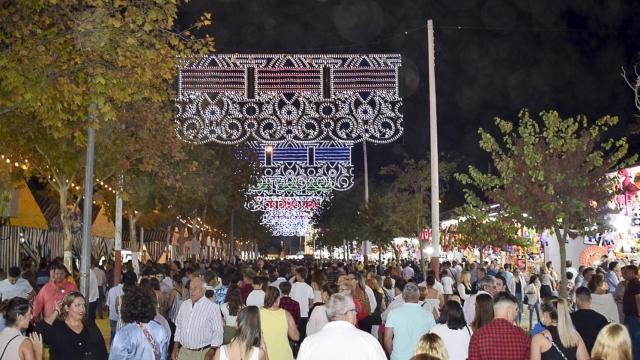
(199, 326)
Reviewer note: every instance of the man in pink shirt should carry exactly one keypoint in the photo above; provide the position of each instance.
(53, 291)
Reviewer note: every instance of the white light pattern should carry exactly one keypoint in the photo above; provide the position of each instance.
(301, 98)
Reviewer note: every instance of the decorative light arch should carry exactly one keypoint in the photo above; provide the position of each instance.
(303, 98)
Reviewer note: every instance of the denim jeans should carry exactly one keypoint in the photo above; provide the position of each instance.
(633, 325)
(536, 306)
(519, 296)
(113, 324)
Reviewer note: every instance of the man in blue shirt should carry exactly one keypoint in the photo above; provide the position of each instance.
(406, 324)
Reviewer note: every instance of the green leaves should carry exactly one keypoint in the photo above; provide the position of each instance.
(546, 164)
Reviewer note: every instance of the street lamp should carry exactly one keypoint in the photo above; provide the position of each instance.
(268, 152)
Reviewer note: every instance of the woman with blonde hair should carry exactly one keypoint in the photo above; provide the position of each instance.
(559, 340)
(464, 286)
(613, 343)
(432, 345)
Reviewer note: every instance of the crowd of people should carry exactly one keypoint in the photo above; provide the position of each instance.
(323, 310)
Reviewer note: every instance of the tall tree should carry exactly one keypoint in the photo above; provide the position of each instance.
(409, 196)
(70, 64)
(554, 170)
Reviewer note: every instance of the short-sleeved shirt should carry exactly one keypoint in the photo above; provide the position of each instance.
(629, 300)
(499, 339)
(8, 291)
(292, 307)
(588, 323)
(409, 322)
(302, 292)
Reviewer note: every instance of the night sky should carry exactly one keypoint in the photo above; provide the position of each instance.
(493, 57)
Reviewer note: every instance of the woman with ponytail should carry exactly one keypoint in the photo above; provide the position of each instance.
(559, 340)
(13, 345)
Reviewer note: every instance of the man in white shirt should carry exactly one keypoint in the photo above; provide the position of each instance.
(437, 285)
(486, 285)
(447, 284)
(101, 277)
(256, 296)
(340, 339)
(94, 294)
(407, 272)
(15, 286)
(199, 326)
(303, 294)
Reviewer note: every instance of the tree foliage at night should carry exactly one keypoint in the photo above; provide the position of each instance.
(553, 169)
(70, 64)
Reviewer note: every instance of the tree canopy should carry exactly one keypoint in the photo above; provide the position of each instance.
(551, 172)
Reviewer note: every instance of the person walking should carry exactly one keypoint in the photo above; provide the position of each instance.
(406, 324)
(141, 337)
(455, 333)
(601, 300)
(486, 285)
(303, 294)
(13, 345)
(432, 347)
(532, 295)
(199, 329)
(340, 339)
(230, 310)
(484, 312)
(464, 286)
(517, 286)
(587, 322)
(287, 303)
(559, 339)
(500, 339)
(631, 308)
(278, 326)
(248, 342)
(613, 343)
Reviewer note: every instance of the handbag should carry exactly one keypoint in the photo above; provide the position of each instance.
(7, 346)
(555, 346)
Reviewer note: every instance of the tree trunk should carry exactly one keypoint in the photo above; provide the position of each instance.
(481, 261)
(133, 241)
(65, 220)
(563, 259)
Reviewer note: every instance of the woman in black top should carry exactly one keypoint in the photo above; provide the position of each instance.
(559, 340)
(68, 335)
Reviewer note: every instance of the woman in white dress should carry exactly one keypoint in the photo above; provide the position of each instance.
(248, 343)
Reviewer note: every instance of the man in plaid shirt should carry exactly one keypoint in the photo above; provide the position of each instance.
(500, 339)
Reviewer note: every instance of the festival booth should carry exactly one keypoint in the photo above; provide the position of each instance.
(622, 241)
(525, 257)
